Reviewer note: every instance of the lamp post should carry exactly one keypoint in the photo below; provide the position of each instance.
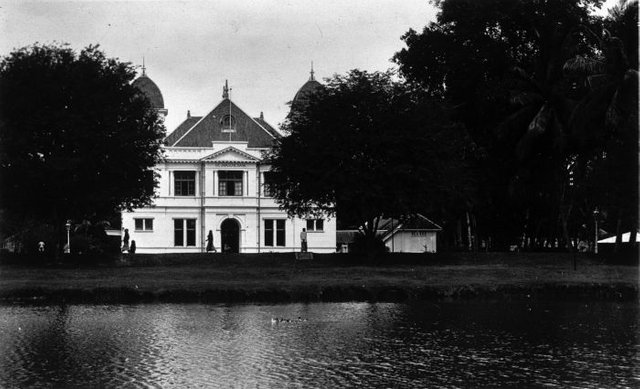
(67, 249)
(595, 218)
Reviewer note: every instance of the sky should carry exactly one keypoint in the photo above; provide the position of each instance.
(264, 48)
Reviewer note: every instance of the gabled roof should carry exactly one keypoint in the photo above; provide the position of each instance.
(230, 150)
(209, 129)
(268, 127)
(185, 126)
(417, 222)
(413, 222)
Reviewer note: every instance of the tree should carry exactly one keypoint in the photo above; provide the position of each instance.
(514, 72)
(609, 111)
(365, 146)
(77, 140)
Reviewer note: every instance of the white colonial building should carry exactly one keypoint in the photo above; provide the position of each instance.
(214, 179)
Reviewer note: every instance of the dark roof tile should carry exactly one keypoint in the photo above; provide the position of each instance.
(210, 129)
(172, 138)
(151, 90)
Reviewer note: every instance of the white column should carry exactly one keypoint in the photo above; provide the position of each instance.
(215, 183)
(245, 174)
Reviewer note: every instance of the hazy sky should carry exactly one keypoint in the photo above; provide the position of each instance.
(264, 48)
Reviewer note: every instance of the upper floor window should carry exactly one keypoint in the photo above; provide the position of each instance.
(268, 181)
(228, 123)
(230, 183)
(143, 224)
(185, 183)
(315, 225)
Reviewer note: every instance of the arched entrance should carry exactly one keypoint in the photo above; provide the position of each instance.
(230, 236)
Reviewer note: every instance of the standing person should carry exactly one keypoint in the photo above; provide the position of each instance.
(125, 241)
(41, 246)
(303, 240)
(132, 250)
(210, 246)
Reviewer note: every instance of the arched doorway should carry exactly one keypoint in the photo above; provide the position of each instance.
(230, 236)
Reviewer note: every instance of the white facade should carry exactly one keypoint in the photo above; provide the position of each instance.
(212, 180)
(253, 212)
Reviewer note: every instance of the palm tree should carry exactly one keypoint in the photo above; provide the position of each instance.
(607, 115)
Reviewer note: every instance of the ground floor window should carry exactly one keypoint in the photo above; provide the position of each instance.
(274, 232)
(143, 224)
(184, 232)
(315, 225)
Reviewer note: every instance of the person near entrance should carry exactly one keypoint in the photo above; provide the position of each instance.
(210, 246)
(303, 240)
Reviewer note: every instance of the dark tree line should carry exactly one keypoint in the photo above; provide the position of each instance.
(77, 141)
(510, 124)
(548, 92)
(365, 146)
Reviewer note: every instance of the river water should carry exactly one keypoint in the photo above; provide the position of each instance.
(451, 344)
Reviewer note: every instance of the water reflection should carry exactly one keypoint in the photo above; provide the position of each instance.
(437, 345)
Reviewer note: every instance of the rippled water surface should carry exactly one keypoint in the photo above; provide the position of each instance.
(468, 344)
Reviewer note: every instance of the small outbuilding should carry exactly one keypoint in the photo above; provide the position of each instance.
(412, 234)
(626, 238)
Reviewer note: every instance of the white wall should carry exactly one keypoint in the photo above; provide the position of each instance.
(250, 210)
(412, 242)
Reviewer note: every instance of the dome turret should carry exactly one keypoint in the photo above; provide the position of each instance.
(308, 88)
(151, 90)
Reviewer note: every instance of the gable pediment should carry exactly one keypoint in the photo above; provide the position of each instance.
(230, 155)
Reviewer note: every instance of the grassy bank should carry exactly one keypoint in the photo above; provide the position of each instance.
(282, 278)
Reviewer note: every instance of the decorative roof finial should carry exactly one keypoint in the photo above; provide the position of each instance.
(225, 90)
(312, 78)
(144, 69)
(188, 113)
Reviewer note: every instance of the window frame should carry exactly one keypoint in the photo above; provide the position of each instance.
(147, 224)
(266, 190)
(224, 183)
(228, 123)
(188, 182)
(314, 225)
(275, 233)
(188, 232)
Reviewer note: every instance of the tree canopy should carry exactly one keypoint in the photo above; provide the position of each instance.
(549, 93)
(77, 140)
(364, 146)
